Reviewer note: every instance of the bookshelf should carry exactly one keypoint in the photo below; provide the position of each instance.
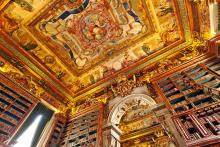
(58, 127)
(15, 106)
(80, 130)
(193, 96)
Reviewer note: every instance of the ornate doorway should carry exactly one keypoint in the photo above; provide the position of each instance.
(135, 124)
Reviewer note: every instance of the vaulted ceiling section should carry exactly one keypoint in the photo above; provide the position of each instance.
(66, 50)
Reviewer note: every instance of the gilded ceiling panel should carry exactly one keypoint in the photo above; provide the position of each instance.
(85, 34)
(82, 42)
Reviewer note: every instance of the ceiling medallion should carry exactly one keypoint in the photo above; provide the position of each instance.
(49, 59)
(94, 28)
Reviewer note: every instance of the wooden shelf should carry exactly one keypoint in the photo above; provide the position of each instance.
(77, 130)
(13, 107)
(82, 130)
(193, 97)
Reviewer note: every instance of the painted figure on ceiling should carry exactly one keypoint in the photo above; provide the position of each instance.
(90, 29)
(24, 39)
(56, 28)
(57, 31)
(165, 8)
(171, 34)
(169, 27)
(7, 23)
(146, 49)
(127, 6)
(94, 27)
(130, 26)
(24, 5)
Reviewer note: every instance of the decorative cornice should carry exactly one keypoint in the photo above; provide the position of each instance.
(26, 82)
(125, 86)
(9, 45)
(187, 48)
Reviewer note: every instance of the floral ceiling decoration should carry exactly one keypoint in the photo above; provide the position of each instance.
(82, 45)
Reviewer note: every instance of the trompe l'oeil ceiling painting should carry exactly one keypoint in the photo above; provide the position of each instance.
(83, 42)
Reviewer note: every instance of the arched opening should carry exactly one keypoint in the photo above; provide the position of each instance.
(126, 104)
(134, 123)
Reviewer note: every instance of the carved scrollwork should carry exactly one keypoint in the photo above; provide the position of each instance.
(125, 86)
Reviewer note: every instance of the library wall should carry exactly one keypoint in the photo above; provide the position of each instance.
(15, 105)
(193, 97)
(79, 130)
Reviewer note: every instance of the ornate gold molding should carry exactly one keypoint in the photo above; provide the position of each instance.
(125, 86)
(32, 67)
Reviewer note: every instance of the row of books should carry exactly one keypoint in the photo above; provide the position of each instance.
(199, 85)
(13, 108)
(90, 122)
(196, 135)
(196, 96)
(76, 131)
(199, 97)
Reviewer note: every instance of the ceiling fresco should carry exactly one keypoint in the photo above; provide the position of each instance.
(84, 43)
(95, 33)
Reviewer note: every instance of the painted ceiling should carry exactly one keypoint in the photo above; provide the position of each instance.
(85, 43)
